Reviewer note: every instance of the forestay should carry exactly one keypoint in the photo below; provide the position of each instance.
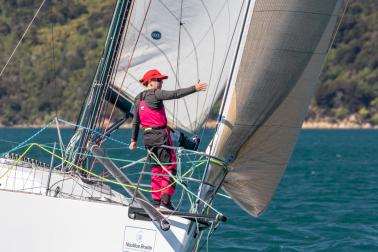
(188, 41)
(277, 70)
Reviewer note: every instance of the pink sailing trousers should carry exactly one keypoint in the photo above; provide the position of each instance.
(162, 184)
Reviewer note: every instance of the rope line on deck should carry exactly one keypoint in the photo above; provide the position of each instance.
(177, 179)
(94, 174)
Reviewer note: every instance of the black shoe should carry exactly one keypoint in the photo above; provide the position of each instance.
(167, 205)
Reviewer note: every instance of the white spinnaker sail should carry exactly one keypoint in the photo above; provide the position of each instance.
(277, 71)
(201, 48)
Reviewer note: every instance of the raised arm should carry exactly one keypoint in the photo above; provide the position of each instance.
(178, 93)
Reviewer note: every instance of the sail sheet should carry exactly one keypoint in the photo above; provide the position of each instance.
(277, 70)
(186, 40)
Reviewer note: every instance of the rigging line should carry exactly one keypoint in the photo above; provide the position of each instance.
(124, 78)
(8, 141)
(196, 56)
(131, 162)
(224, 64)
(229, 81)
(170, 65)
(97, 81)
(213, 52)
(212, 28)
(127, 69)
(218, 15)
(194, 50)
(338, 25)
(33, 136)
(110, 84)
(106, 83)
(191, 40)
(91, 93)
(88, 93)
(94, 131)
(118, 59)
(119, 47)
(105, 58)
(14, 165)
(22, 37)
(175, 108)
(104, 178)
(176, 180)
(209, 234)
(168, 62)
(53, 64)
(91, 102)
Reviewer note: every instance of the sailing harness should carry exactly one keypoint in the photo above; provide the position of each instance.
(151, 118)
(155, 120)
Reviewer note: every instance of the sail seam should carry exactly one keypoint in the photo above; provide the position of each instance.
(224, 63)
(213, 51)
(177, 79)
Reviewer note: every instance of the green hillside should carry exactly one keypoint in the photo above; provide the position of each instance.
(52, 69)
(349, 82)
(54, 66)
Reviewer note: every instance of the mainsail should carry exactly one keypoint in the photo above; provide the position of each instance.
(187, 40)
(277, 71)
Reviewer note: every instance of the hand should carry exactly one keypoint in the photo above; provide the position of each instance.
(200, 86)
(132, 145)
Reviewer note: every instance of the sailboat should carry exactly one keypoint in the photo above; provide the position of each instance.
(261, 58)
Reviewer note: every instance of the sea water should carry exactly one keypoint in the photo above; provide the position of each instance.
(327, 199)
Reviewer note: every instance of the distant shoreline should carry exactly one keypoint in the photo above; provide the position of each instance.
(328, 125)
(310, 124)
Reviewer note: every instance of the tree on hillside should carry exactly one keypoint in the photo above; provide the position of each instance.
(349, 83)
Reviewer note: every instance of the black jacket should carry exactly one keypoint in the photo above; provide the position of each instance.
(154, 99)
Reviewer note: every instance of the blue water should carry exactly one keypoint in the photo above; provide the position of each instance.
(327, 200)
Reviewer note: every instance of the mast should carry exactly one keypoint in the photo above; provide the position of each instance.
(100, 85)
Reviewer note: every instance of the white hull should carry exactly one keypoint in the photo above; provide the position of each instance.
(32, 221)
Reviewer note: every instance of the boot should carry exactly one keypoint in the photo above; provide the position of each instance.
(166, 202)
(156, 203)
(167, 205)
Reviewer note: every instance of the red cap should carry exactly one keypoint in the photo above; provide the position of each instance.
(152, 74)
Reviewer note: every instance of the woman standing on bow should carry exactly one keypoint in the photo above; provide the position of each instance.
(150, 113)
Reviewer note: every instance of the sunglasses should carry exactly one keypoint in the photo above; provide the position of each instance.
(158, 80)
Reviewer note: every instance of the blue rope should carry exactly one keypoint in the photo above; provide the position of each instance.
(30, 138)
(96, 132)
